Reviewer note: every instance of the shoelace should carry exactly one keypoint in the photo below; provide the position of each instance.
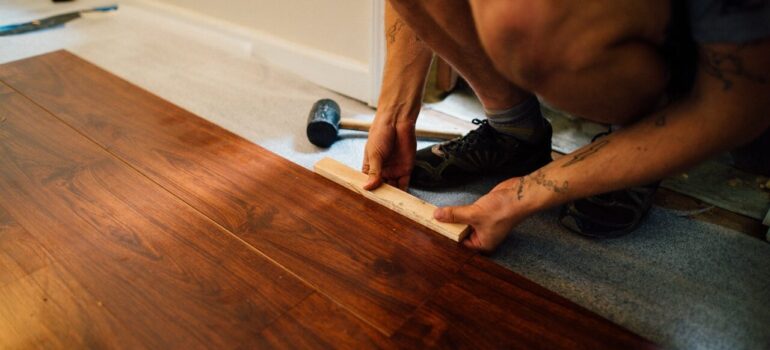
(470, 140)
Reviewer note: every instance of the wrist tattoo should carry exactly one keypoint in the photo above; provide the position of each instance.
(393, 31)
(520, 190)
(582, 155)
(728, 66)
(540, 179)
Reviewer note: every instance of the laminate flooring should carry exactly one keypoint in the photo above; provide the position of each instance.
(126, 221)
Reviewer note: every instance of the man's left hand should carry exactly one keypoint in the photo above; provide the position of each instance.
(491, 217)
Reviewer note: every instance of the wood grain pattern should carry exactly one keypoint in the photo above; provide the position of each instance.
(489, 307)
(167, 275)
(373, 262)
(129, 222)
(20, 254)
(317, 323)
(41, 304)
(390, 197)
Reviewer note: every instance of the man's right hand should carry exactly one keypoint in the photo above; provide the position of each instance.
(389, 153)
(391, 147)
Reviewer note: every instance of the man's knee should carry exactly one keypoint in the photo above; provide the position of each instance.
(518, 36)
(533, 41)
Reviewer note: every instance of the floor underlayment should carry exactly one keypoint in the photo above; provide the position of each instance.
(678, 282)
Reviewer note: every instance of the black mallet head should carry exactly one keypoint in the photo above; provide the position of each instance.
(323, 123)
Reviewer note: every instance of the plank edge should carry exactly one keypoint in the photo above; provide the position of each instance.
(409, 206)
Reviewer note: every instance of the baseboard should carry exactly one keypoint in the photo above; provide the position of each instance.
(337, 73)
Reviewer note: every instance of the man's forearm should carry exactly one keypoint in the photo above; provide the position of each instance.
(406, 68)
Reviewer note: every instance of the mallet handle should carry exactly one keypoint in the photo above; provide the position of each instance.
(354, 124)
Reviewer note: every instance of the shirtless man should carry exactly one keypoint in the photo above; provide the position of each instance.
(686, 79)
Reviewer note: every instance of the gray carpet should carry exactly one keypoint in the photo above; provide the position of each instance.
(678, 282)
(684, 284)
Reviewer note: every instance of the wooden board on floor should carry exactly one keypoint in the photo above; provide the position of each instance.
(392, 198)
(187, 235)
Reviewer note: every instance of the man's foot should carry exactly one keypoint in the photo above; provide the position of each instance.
(483, 151)
(609, 215)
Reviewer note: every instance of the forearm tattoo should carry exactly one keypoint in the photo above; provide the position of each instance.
(540, 179)
(582, 155)
(728, 66)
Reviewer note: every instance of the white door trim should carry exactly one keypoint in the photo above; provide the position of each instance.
(377, 59)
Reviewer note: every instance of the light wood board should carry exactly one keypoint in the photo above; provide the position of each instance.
(390, 197)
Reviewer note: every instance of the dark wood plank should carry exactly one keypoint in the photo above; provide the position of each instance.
(318, 323)
(20, 254)
(489, 307)
(167, 274)
(676, 201)
(373, 262)
(41, 305)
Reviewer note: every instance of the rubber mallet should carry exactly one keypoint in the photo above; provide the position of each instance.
(324, 124)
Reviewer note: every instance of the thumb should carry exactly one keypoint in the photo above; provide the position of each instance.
(374, 170)
(457, 215)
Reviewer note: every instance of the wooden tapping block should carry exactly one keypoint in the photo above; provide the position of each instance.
(390, 197)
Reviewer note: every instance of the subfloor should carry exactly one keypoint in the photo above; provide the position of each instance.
(680, 282)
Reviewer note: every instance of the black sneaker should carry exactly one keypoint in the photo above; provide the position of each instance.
(483, 151)
(609, 215)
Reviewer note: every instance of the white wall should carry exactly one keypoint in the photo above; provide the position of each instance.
(340, 27)
(330, 42)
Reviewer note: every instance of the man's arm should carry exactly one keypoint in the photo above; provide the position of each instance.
(728, 106)
(390, 149)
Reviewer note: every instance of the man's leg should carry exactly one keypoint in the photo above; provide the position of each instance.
(596, 59)
(448, 29)
(515, 138)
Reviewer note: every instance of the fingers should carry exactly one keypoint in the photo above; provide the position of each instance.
(459, 215)
(473, 241)
(403, 183)
(373, 167)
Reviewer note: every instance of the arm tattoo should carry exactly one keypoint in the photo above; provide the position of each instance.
(393, 31)
(727, 66)
(540, 179)
(520, 190)
(582, 155)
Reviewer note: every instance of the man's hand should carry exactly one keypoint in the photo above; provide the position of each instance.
(492, 216)
(389, 154)
(390, 149)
